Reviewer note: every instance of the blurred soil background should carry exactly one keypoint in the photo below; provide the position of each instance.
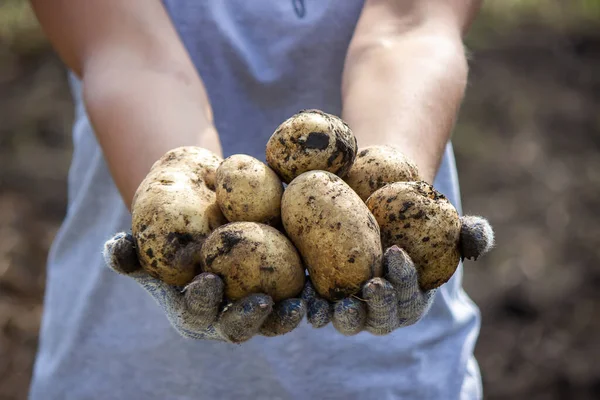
(528, 149)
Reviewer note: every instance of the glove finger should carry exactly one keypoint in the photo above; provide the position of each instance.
(120, 255)
(318, 310)
(241, 320)
(382, 306)
(203, 296)
(413, 303)
(476, 237)
(349, 316)
(285, 317)
(400, 271)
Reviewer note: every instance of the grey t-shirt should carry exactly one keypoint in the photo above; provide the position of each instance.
(102, 337)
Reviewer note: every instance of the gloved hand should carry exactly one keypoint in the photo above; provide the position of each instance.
(395, 300)
(383, 305)
(199, 310)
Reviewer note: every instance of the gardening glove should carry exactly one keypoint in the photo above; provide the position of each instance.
(395, 300)
(199, 310)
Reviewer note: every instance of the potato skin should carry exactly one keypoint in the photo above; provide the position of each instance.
(173, 211)
(376, 166)
(253, 258)
(419, 219)
(248, 190)
(311, 140)
(335, 233)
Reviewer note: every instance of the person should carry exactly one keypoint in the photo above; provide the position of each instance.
(148, 76)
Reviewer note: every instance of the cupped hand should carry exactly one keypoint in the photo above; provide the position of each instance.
(199, 310)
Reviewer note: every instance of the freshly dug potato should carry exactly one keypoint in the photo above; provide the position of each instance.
(253, 258)
(311, 140)
(419, 219)
(248, 190)
(173, 211)
(376, 166)
(334, 231)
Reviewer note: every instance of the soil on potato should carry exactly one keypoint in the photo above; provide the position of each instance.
(527, 144)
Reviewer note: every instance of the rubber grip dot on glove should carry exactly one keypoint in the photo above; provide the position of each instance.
(382, 306)
(284, 318)
(242, 320)
(349, 316)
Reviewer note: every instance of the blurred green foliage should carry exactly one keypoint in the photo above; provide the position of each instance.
(500, 17)
(20, 32)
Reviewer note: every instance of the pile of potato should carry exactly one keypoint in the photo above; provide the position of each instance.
(317, 204)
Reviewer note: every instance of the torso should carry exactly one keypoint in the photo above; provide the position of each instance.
(103, 337)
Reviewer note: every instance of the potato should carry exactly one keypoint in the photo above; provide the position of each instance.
(248, 190)
(173, 211)
(419, 219)
(253, 258)
(376, 166)
(334, 231)
(311, 140)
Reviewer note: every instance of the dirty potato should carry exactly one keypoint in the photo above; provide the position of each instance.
(253, 258)
(376, 166)
(248, 190)
(419, 219)
(335, 233)
(173, 211)
(311, 140)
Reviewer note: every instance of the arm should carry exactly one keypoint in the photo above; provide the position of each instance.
(141, 91)
(405, 76)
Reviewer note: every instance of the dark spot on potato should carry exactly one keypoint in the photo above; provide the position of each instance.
(406, 225)
(351, 260)
(154, 264)
(363, 153)
(338, 226)
(390, 199)
(426, 239)
(392, 218)
(406, 205)
(331, 159)
(227, 187)
(150, 253)
(143, 227)
(419, 214)
(266, 268)
(281, 141)
(183, 239)
(230, 239)
(316, 140)
(338, 293)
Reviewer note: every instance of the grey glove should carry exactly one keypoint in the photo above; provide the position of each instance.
(385, 304)
(396, 300)
(199, 310)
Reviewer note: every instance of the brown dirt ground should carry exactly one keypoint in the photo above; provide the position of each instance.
(528, 149)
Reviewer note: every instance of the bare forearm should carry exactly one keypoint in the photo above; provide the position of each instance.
(140, 88)
(404, 80)
(140, 114)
